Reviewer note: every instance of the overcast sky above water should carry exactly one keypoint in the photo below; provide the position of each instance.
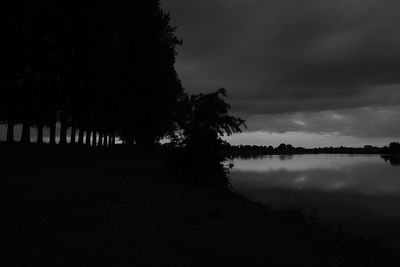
(309, 72)
(306, 72)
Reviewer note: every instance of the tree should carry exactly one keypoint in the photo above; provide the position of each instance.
(394, 148)
(202, 121)
(205, 118)
(103, 68)
(149, 87)
(15, 31)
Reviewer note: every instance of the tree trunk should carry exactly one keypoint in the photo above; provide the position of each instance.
(88, 133)
(10, 130)
(63, 130)
(53, 125)
(40, 133)
(81, 135)
(113, 139)
(101, 139)
(105, 140)
(26, 133)
(94, 140)
(73, 133)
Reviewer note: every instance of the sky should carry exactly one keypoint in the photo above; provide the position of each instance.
(310, 72)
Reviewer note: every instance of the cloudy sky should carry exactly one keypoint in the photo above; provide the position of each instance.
(308, 72)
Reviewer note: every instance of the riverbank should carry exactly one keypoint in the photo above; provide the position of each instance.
(77, 207)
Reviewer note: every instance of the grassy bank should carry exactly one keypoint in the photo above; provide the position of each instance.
(77, 207)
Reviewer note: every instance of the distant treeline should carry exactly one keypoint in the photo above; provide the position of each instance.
(99, 68)
(287, 149)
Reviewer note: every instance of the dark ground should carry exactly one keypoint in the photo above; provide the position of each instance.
(75, 207)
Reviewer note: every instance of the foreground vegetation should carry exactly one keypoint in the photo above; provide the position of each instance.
(120, 207)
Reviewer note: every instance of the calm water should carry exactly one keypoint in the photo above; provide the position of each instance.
(361, 192)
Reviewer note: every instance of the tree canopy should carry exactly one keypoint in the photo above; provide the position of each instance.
(205, 118)
(102, 68)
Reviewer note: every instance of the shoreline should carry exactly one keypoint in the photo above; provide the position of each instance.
(90, 207)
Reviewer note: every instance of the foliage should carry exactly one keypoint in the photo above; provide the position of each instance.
(205, 118)
(394, 148)
(104, 67)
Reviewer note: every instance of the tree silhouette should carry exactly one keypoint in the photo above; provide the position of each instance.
(104, 69)
(150, 87)
(12, 64)
(202, 121)
(204, 118)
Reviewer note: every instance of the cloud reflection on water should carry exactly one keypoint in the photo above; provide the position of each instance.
(362, 192)
(365, 174)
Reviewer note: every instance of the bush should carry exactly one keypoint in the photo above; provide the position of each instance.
(198, 167)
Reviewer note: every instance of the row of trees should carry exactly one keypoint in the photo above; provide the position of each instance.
(102, 69)
(393, 149)
(287, 149)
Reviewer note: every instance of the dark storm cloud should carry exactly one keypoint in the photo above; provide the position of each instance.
(362, 122)
(290, 56)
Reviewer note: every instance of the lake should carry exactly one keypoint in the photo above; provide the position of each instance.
(361, 192)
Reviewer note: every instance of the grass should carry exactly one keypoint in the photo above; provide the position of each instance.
(73, 206)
